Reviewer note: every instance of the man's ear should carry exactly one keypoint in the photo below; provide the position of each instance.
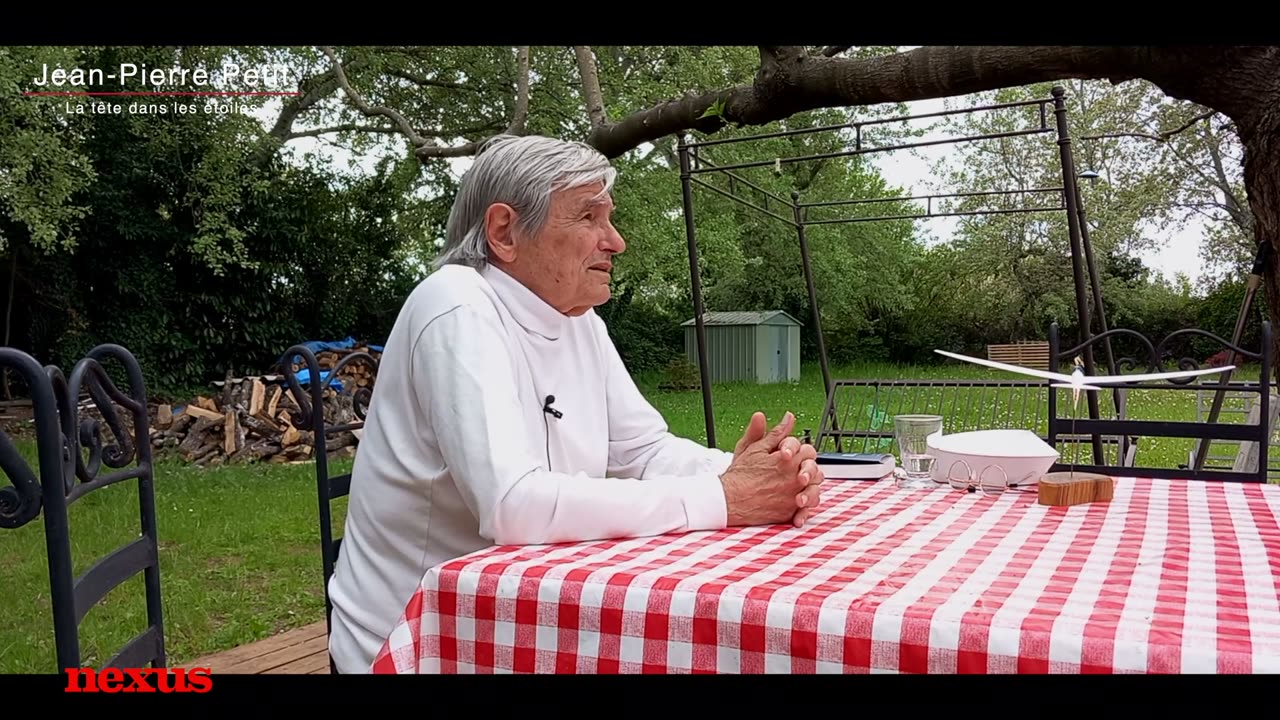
(500, 231)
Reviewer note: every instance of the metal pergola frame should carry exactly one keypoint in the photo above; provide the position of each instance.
(692, 163)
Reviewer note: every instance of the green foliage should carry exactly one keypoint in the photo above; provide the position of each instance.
(646, 334)
(165, 233)
(202, 264)
(41, 164)
(715, 109)
(680, 375)
(1006, 277)
(750, 260)
(318, 264)
(1218, 313)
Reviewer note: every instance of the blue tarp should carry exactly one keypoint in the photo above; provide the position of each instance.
(316, 346)
(304, 377)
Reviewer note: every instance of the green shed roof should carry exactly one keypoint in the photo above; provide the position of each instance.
(743, 317)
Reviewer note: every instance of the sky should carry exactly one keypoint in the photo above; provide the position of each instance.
(910, 170)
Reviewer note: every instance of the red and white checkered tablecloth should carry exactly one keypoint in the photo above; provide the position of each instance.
(1168, 577)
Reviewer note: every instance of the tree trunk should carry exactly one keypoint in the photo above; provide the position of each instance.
(1249, 93)
(1262, 178)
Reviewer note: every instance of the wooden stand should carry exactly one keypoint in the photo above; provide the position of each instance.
(1067, 488)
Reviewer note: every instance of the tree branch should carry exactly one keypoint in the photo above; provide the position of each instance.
(1202, 116)
(313, 90)
(776, 62)
(1240, 213)
(425, 81)
(393, 130)
(791, 81)
(591, 94)
(1162, 136)
(521, 114)
(425, 147)
(344, 127)
(1195, 167)
(371, 111)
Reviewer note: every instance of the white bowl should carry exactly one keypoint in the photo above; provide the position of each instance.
(1021, 454)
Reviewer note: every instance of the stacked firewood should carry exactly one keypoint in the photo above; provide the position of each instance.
(245, 422)
(357, 373)
(253, 419)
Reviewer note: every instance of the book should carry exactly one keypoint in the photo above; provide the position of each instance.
(856, 466)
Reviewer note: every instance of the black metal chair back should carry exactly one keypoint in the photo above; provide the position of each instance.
(1077, 421)
(63, 436)
(311, 401)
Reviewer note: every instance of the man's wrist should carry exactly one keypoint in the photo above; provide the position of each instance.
(731, 518)
(706, 506)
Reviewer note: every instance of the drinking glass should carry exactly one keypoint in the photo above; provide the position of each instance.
(912, 435)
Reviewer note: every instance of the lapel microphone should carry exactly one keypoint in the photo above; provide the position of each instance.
(548, 410)
(546, 407)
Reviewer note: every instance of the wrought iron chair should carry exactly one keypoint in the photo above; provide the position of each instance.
(63, 435)
(311, 401)
(1202, 432)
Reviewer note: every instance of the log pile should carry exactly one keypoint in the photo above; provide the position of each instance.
(355, 373)
(253, 419)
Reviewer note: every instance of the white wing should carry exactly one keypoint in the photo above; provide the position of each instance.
(1011, 368)
(1115, 379)
(1069, 386)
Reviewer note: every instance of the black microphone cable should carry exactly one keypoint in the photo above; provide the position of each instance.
(548, 410)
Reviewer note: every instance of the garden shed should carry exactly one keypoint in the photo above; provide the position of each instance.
(744, 346)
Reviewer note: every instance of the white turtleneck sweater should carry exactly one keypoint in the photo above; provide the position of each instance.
(454, 455)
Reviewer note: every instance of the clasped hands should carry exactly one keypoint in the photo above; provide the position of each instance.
(773, 477)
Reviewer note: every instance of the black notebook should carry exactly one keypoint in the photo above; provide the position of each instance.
(856, 466)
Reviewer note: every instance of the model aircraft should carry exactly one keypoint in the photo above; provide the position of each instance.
(1076, 381)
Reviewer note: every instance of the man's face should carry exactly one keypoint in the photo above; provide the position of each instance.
(569, 263)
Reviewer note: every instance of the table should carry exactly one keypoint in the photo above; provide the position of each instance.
(1167, 577)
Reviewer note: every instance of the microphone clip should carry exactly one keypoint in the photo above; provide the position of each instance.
(546, 407)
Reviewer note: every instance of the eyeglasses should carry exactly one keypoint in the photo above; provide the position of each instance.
(969, 482)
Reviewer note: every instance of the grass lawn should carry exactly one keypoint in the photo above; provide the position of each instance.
(239, 547)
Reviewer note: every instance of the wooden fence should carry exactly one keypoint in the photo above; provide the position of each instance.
(1028, 354)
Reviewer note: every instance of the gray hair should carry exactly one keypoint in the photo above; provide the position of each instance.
(523, 172)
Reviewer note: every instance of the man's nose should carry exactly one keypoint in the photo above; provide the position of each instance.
(613, 241)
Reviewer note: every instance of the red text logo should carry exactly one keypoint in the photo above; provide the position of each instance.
(165, 680)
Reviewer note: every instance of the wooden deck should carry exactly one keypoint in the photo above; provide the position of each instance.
(302, 651)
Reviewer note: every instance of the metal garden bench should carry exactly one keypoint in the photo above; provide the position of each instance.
(859, 413)
(1254, 437)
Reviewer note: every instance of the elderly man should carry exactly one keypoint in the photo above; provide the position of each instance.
(503, 413)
